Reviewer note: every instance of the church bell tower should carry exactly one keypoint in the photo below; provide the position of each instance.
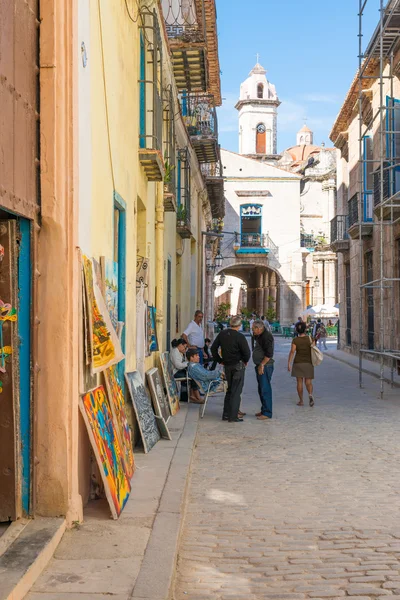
(258, 115)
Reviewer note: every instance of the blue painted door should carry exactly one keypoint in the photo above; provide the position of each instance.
(15, 373)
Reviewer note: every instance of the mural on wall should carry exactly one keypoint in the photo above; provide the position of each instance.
(151, 330)
(105, 347)
(170, 383)
(104, 440)
(143, 409)
(117, 405)
(111, 291)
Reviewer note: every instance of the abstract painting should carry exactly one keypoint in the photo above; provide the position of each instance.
(151, 331)
(103, 437)
(117, 405)
(105, 345)
(160, 402)
(111, 290)
(143, 409)
(170, 383)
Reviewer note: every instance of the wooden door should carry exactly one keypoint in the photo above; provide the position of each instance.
(9, 376)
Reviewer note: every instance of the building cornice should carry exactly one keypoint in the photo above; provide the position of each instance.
(241, 103)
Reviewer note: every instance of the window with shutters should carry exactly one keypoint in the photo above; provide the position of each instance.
(368, 180)
(393, 145)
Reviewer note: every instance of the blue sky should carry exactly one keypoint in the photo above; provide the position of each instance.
(309, 50)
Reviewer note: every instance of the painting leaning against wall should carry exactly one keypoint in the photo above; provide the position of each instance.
(143, 409)
(117, 405)
(105, 346)
(104, 440)
(170, 383)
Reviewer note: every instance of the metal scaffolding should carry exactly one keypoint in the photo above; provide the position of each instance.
(379, 185)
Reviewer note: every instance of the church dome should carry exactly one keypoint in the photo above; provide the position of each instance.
(257, 87)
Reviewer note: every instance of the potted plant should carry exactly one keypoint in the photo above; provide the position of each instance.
(181, 216)
(169, 169)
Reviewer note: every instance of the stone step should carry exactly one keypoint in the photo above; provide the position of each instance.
(25, 552)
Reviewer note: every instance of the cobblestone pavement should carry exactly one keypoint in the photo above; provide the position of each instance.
(306, 505)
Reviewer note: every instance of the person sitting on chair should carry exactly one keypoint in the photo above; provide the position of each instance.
(180, 366)
(199, 373)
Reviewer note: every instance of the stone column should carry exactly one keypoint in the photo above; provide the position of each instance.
(266, 292)
(260, 292)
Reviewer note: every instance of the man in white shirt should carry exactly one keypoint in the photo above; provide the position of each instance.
(194, 334)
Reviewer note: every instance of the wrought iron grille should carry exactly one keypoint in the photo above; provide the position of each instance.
(339, 227)
(185, 20)
(212, 169)
(307, 240)
(170, 145)
(199, 114)
(184, 195)
(353, 210)
(258, 240)
(151, 79)
(387, 177)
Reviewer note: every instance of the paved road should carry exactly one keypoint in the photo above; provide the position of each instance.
(304, 506)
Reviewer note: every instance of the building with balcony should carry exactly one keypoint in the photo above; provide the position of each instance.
(366, 223)
(278, 209)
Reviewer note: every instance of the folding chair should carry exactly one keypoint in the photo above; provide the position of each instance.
(210, 392)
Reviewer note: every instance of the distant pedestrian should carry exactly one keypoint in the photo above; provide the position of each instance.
(231, 349)
(266, 323)
(303, 368)
(263, 358)
(299, 320)
(251, 332)
(194, 335)
(320, 334)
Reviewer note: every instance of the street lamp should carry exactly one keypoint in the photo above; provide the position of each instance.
(218, 260)
(316, 282)
(230, 288)
(243, 286)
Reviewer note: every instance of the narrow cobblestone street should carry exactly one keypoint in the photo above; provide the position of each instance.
(304, 506)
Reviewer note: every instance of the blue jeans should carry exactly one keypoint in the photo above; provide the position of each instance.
(265, 390)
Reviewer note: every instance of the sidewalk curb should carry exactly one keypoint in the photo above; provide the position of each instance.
(158, 566)
(366, 371)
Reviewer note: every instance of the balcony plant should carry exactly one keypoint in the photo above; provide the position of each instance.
(181, 216)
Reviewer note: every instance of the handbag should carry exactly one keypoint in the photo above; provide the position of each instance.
(316, 355)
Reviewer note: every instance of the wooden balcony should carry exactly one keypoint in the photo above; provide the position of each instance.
(212, 174)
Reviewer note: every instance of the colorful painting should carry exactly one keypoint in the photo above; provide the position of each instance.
(160, 402)
(151, 331)
(117, 405)
(170, 383)
(105, 345)
(111, 291)
(102, 434)
(143, 409)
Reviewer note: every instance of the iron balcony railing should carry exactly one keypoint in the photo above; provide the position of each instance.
(308, 240)
(151, 136)
(200, 115)
(170, 147)
(353, 210)
(339, 227)
(212, 169)
(257, 240)
(185, 21)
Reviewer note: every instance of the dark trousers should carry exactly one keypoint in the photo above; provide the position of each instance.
(235, 380)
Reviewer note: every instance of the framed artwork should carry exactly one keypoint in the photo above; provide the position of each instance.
(117, 405)
(111, 290)
(163, 428)
(151, 330)
(143, 410)
(105, 347)
(103, 437)
(160, 402)
(170, 383)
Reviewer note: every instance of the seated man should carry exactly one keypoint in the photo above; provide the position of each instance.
(199, 373)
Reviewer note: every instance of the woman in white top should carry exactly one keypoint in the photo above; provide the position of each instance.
(179, 366)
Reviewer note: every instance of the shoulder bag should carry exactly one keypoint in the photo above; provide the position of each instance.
(316, 355)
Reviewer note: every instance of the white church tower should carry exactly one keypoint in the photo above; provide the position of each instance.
(305, 136)
(258, 114)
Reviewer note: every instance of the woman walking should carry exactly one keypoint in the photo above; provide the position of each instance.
(303, 368)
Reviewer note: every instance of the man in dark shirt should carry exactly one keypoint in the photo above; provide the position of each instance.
(235, 355)
(263, 358)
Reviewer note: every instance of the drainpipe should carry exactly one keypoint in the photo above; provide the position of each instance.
(160, 261)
